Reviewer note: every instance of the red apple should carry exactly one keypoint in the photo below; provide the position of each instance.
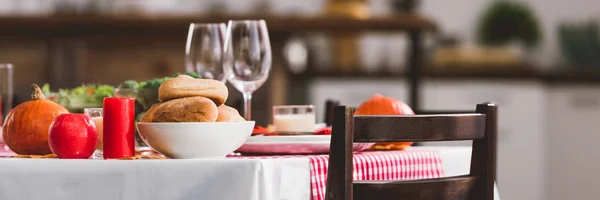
(73, 136)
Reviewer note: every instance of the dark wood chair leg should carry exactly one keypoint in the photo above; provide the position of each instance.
(483, 156)
(339, 182)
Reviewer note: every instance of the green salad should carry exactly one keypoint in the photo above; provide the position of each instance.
(83, 96)
(87, 94)
(92, 95)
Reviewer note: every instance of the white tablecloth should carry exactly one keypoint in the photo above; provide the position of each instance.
(214, 179)
(457, 161)
(227, 179)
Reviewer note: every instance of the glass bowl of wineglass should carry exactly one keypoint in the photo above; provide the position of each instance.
(248, 52)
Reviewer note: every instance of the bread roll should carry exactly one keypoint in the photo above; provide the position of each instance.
(186, 86)
(189, 109)
(229, 114)
(149, 113)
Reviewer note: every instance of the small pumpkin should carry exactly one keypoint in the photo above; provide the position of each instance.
(25, 129)
(382, 105)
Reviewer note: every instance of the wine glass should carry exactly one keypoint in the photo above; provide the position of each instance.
(204, 50)
(248, 62)
(6, 89)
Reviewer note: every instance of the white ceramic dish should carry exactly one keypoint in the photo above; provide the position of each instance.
(302, 144)
(195, 139)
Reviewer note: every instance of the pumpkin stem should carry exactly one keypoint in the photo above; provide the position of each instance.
(37, 93)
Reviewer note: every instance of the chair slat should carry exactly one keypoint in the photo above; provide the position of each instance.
(436, 112)
(428, 189)
(409, 128)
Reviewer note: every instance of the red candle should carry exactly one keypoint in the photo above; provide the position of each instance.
(119, 138)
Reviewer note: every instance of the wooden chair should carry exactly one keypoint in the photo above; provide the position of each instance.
(481, 127)
(329, 106)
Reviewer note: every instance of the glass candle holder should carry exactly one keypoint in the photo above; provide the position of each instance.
(294, 118)
(6, 89)
(97, 118)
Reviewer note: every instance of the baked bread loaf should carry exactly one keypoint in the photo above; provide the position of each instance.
(189, 109)
(229, 114)
(185, 86)
(149, 113)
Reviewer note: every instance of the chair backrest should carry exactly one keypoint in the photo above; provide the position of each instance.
(481, 127)
(329, 106)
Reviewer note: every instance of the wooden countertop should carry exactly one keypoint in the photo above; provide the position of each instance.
(82, 24)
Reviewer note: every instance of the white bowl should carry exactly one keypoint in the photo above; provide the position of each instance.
(195, 139)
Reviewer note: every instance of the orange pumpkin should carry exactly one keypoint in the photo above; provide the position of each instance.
(382, 105)
(25, 129)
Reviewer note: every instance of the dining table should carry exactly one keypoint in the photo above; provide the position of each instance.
(270, 177)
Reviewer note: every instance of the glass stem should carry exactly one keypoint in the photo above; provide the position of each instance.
(247, 105)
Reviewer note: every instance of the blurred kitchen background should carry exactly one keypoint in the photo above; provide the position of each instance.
(539, 59)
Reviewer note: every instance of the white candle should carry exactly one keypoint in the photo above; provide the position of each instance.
(294, 123)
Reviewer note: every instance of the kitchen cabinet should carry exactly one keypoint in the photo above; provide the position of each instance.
(573, 160)
(520, 127)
